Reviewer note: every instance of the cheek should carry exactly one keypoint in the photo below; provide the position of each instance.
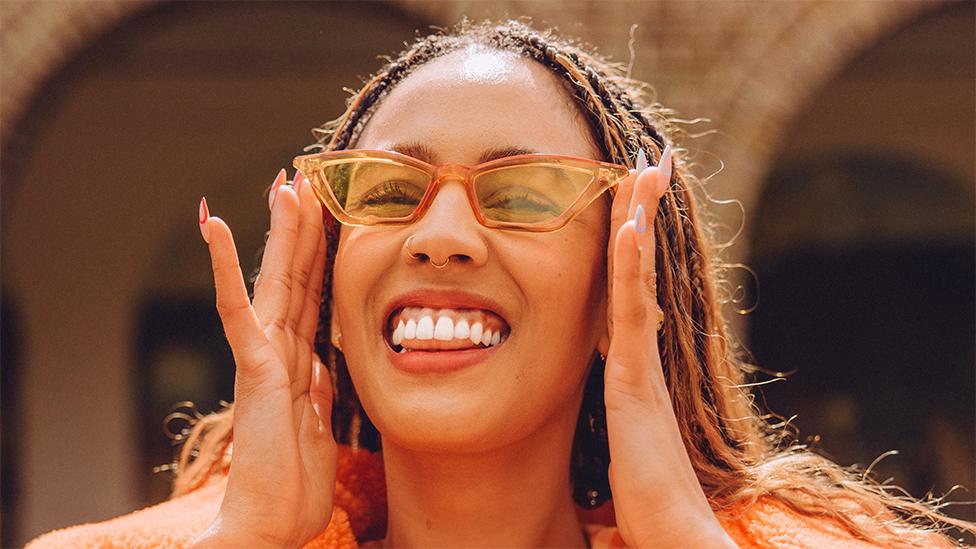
(362, 257)
(565, 288)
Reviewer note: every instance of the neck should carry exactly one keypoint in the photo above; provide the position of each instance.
(518, 495)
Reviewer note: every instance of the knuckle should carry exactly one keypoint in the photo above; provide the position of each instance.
(634, 315)
(287, 229)
(254, 377)
(226, 310)
(278, 323)
(648, 284)
(301, 276)
(220, 267)
(283, 278)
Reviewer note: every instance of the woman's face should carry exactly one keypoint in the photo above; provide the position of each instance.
(547, 289)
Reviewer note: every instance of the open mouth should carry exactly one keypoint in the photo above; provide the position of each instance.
(428, 329)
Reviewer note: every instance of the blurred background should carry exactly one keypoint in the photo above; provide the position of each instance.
(845, 131)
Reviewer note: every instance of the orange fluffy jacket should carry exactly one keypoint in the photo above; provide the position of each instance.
(360, 515)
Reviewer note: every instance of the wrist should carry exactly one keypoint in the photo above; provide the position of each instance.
(219, 536)
(689, 530)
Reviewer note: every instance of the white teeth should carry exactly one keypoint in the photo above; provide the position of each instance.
(461, 330)
(440, 324)
(475, 335)
(444, 330)
(398, 333)
(425, 328)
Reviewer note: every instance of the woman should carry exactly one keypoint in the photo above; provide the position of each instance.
(502, 292)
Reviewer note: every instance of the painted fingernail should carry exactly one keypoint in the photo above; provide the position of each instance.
(204, 217)
(279, 179)
(666, 166)
(641, 160)
(640, 222)
(297, 182)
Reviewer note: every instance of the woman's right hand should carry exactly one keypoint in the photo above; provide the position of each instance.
(281, 483)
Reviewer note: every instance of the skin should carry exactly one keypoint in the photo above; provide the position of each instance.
(461, 450)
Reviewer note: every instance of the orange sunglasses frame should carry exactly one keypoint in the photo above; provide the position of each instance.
(605, 176)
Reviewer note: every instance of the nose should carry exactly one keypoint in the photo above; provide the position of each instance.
(448, 230)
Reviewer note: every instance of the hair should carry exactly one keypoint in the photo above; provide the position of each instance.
(738, 455)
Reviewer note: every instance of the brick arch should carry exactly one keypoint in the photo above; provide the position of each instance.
(40, 37)
(784, 77)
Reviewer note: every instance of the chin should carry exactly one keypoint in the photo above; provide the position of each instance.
(444, 425)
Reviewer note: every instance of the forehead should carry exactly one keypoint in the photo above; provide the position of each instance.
(471, 100)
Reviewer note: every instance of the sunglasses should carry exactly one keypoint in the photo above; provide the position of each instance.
(528, 192)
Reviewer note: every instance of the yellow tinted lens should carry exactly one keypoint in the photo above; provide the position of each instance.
(530, 193)
(367, 187)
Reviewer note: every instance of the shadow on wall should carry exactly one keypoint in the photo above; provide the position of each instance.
(867, 283)
(864, 248)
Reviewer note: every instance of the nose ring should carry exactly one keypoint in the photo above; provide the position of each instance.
(417, 256)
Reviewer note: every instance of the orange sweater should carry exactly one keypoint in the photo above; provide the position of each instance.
(360, 514)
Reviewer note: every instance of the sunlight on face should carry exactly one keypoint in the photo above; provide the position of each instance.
(483, 66)
(549, 288)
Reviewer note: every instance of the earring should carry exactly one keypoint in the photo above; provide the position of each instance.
(337, 340)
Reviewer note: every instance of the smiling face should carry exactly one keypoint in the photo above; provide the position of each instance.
(544, 292)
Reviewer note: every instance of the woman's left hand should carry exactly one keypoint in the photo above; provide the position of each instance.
(657, 498)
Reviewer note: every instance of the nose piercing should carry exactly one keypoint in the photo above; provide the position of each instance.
(417, 256)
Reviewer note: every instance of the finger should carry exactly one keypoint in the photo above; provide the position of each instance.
(645, 188)
(272, 192)
(317, 439)
(273, 295)
(618, 215)
(241, 325)
(621, 200)
(309, 321)
(652, 188)
(320, 393)
(628, 308)
(309, 313)
(642, 165)
(634, 342)
(310, 228)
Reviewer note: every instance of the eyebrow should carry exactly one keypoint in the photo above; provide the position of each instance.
(423, 152)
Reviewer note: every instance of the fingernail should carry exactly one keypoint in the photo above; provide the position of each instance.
(666, 167)
(296, 183)
(204, 217)
(640, 222)
(318, 414)
(641, 160)
(279, 179)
